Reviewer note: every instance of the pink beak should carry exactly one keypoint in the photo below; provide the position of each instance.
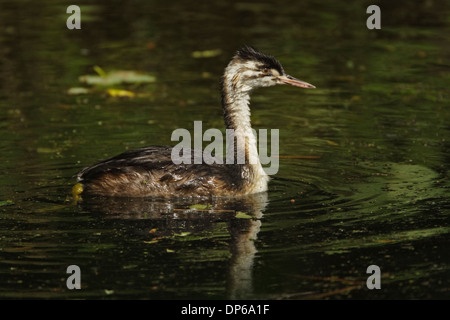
(295, 82)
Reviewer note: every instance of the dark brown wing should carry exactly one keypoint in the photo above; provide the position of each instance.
(150, 171)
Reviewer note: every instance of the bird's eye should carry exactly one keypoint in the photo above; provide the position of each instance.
(266, 71)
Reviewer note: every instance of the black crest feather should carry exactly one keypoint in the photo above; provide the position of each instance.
(250, 53)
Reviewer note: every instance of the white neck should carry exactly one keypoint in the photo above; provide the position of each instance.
(237, 117)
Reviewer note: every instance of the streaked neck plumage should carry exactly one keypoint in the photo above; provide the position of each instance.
(235, 103)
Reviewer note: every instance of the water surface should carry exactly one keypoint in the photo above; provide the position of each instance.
(363, 177)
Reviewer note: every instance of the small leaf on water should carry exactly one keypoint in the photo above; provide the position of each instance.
(99, 71)
(117, 77)
(183, 234)
(332, 143)
(120, 93)
(151, 241)
(78, 90)
(6, 203)
(242, 215)
(200, 206)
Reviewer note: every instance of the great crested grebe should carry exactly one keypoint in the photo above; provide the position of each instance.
(150, 171)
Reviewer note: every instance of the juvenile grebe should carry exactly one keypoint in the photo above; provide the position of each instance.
(150, 171)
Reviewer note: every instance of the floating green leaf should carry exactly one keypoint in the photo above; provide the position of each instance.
(117, 77)
(242, 215)
(78, 91)
(120, 93)
(6, 203)
(183, 234)
(200, 206)
(99, 71)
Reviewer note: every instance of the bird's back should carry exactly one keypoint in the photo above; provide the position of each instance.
(150, 171)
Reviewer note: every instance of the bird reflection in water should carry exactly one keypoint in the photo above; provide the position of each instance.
(176, 215)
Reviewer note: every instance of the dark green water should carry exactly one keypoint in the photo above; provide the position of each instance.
(376, 191)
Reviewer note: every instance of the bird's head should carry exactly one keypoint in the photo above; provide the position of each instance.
(250, 69)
